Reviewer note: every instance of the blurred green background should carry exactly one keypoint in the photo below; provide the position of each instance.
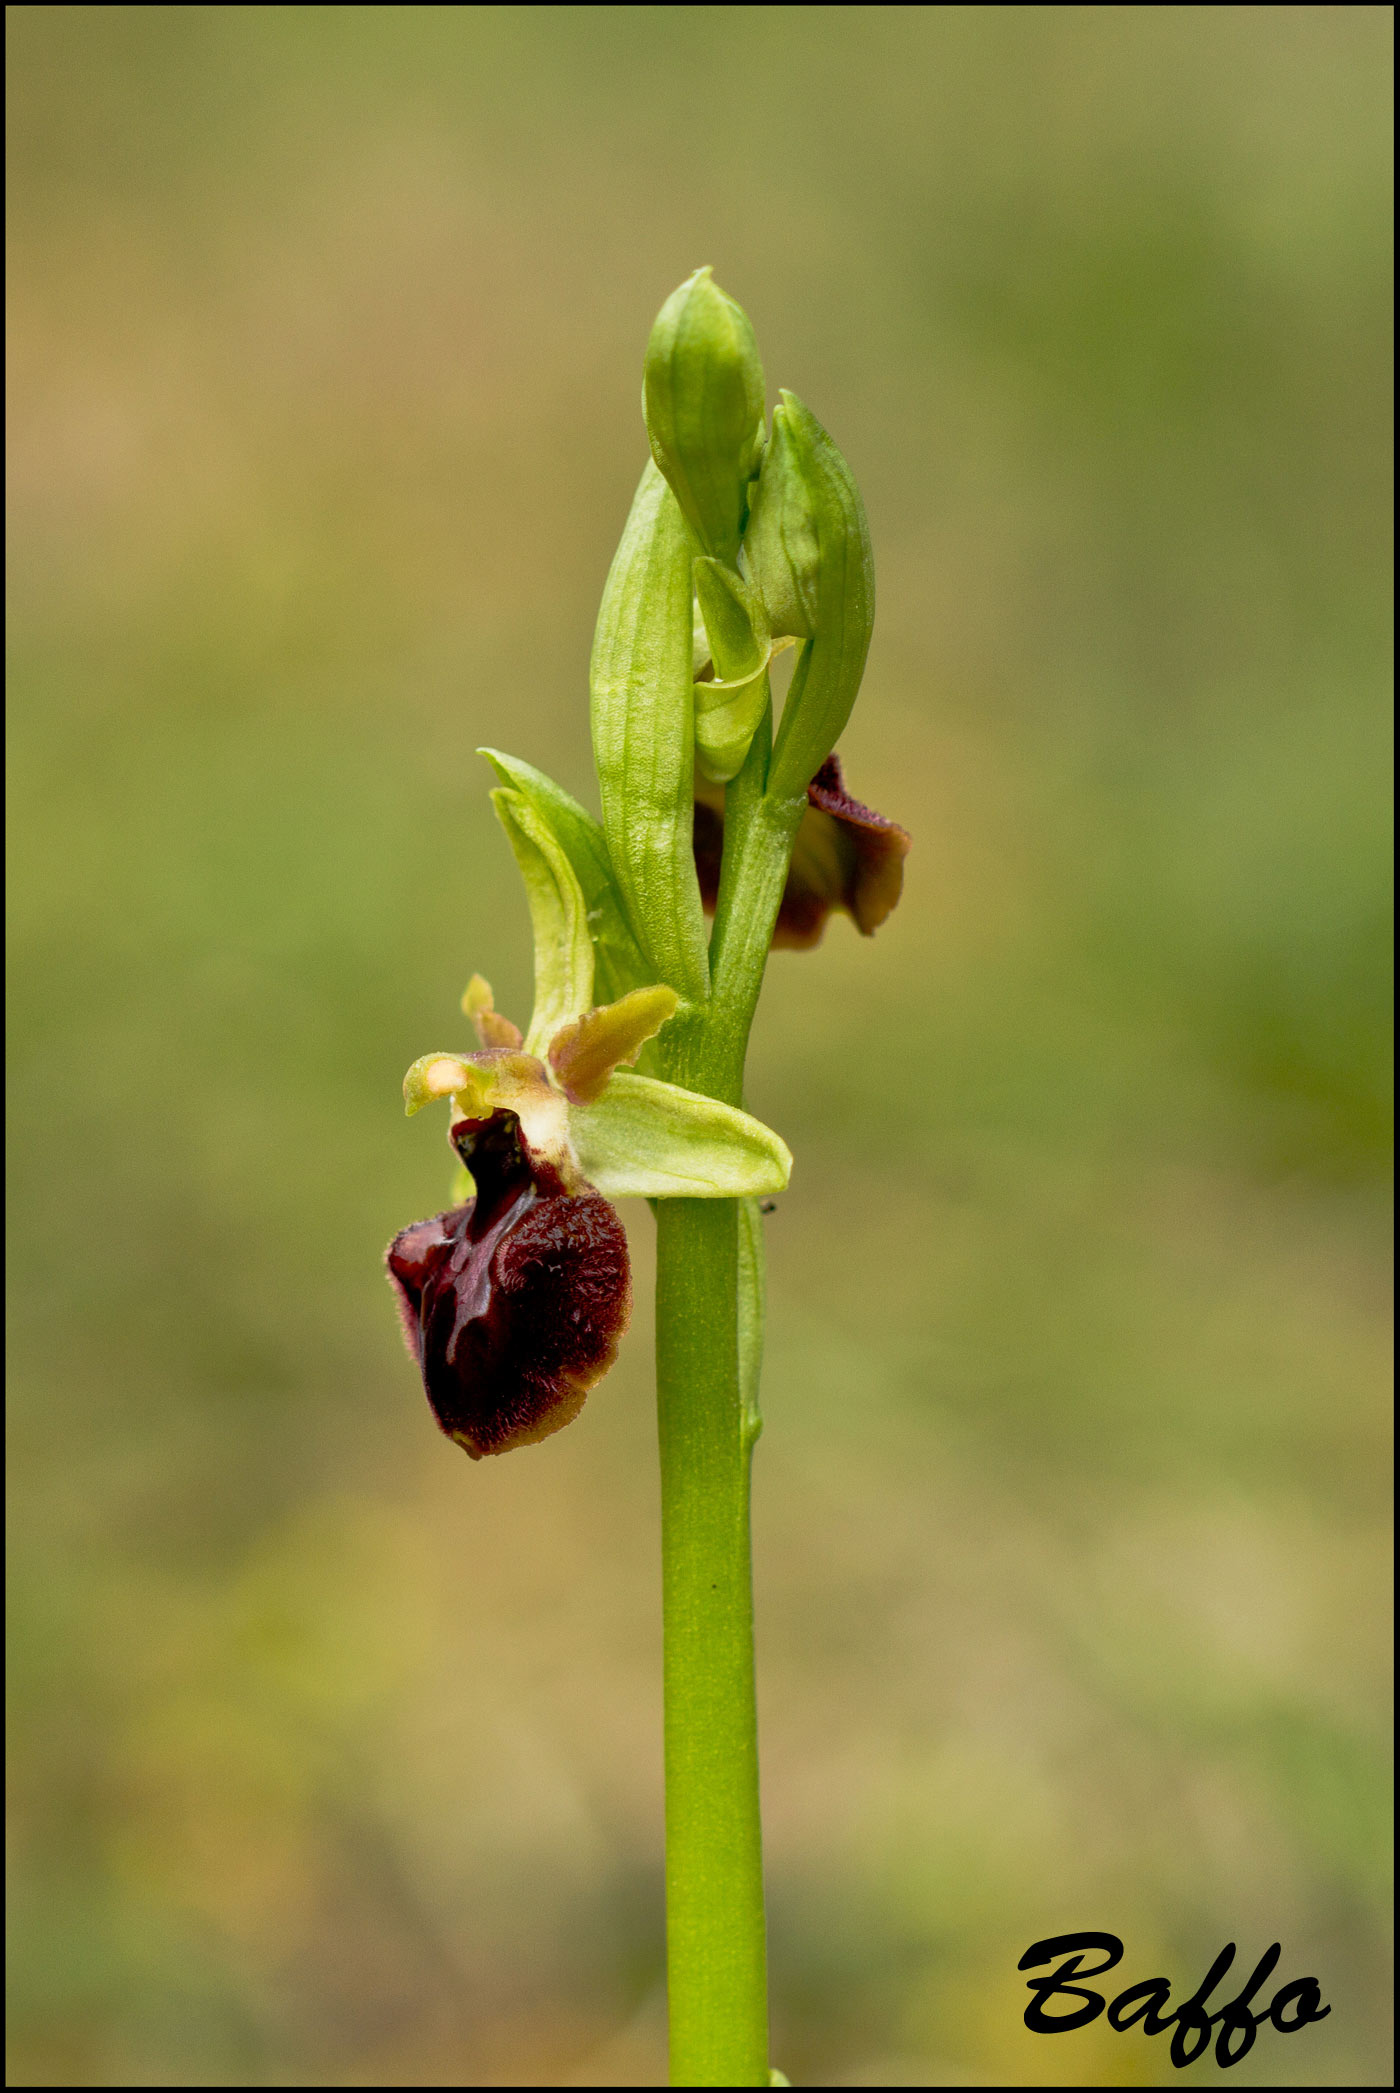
(335, 1758)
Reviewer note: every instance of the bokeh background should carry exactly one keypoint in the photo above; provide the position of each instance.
(335, 1758)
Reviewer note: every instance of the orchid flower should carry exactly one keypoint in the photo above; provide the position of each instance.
(514, 1299)
(846, 857)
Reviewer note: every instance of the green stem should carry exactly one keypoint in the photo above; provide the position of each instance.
(748, 908)
(709, 1338)
(716, 1947)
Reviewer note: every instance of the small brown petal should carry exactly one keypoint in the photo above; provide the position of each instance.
(847, 856)
(584, 1053)
(492, 1029)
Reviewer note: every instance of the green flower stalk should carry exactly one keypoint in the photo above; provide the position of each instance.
(628, 1081)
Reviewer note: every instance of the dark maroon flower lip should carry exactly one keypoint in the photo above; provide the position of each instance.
(513, 1304)
(846, 857)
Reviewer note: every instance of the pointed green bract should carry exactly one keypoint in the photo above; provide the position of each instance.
(618, 959)
(702, 399)
(752, 1307)
(807, 551)
(563, 948)
(649, 1140)
(643, 737)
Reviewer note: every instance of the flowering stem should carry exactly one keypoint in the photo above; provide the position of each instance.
(716, 1951)
(514, 1299)
(759, 832)
(709, 1305)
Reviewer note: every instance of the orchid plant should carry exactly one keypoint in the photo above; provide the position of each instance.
(628, 1083)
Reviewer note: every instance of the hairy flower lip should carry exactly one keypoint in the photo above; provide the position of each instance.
(846, 857)
(513, 1303)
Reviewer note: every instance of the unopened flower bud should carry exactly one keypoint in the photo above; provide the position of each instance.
(702, 397)
(782, 551)
(807, 552)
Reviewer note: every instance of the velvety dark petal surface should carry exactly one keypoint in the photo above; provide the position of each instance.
(515, 1303)
(411, 1258)
(846, 856)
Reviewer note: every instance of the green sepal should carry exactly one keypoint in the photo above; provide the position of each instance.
(563, 947)
(736, 623)
(807, 551)
(646, 1139)
(643, 737)
(727, 716)
(730, 705)
(702, 400)
(618, 959)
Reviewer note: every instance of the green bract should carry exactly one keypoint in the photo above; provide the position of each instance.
(619, 963)
(702, 398)
(807, 551)
(643, 736)
(752, 1310)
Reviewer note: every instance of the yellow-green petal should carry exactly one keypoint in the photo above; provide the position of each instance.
(435, 1076)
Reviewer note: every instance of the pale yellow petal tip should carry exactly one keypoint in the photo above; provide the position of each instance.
(655, 1005)
(434, 1076)
(477, 996)
(479, 1005)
